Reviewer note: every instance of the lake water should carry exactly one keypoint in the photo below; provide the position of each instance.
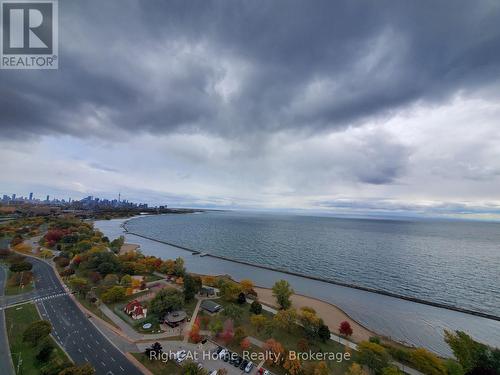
(450, 262)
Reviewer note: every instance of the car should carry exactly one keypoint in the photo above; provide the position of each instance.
(238, 361)
(232, 358)
(200, 366)
(263, 371)
(249, 367)
(180, 356)
(219, 349)
(223, 353)
(213, 372)
(226, 356)
(243, 364)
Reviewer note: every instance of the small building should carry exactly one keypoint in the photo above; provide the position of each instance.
(207, 291)
(135, 310)
(175, 318)
(210, 306)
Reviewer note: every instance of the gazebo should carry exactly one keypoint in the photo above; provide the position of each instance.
(174, 318)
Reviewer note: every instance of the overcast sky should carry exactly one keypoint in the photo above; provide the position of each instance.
(355, 106)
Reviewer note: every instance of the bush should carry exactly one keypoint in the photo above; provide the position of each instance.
(256, 307)
(37, 331)
(114, 294)
(21, 267)
(45, 350)
(373, 355)
(427, 362)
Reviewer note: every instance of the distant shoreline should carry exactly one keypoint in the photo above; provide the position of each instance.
(321, 279)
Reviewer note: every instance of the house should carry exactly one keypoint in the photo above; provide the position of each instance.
(135, 310)
(210, 306)
(207, 291)
(175, 318)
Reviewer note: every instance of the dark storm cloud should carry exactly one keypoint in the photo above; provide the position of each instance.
(155, 66)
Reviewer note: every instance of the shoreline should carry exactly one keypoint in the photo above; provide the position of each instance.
(325, 280)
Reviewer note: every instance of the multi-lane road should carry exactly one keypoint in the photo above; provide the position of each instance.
(72, 329)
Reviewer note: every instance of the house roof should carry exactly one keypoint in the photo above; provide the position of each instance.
(210, 306)
(175, 316)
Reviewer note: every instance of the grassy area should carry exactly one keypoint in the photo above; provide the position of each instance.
(12, 290)
(149, 278)
(95, 310)
(157, 367)
(17, 320)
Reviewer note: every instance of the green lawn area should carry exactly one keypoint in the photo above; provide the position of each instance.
(12, 290)
(94, 309)
(17, 320)
(149, 278)
(157, 367)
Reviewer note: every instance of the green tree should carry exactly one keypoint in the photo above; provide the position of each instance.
(282, 292)
(191, 287)
(36, 331)
(391, 370)
(285, 319)
(21, 267)
(79, 285)
(427, 362)
(126, 280)
(166, 300)
(324, 332)
(471, 354)
(179, 269)
(45, 350)
(256, 307)
(355, 369)
(113, 294)
(191, 368)
(453, 367)
(258, 321)
(216, 327)
(232, 311)
(373, 355)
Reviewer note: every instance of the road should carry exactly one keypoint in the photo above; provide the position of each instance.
(71, 328)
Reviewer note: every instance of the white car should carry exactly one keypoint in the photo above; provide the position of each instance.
(181, 356)
(222, 353)
(213, 372)
(249, 367)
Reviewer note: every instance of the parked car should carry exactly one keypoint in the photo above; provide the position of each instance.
(219, 349)
(263, 371)
(238, 361)
(181, 356)
(227, 356)
(249, 367)
(243, 364)
(223, 353)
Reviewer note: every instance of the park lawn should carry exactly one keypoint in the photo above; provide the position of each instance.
(17, 319)
(94, 310)
(157, 367)
(13, 290)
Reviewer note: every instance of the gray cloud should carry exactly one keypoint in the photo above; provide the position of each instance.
(233, 68)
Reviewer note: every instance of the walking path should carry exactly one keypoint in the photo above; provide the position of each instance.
(191, 322)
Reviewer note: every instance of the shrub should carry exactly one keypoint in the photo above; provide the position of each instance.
(256, 307)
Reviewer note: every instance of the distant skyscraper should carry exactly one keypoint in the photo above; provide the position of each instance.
(47, 198)
(31, 196)
(13, 196)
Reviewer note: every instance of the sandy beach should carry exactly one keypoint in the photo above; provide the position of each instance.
(331, 315)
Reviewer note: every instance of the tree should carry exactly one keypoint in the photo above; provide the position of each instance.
(453, 367)
(427, 362)
(110, 280)
(37, 331)
(239, 334)
(373, 355)
(21, 267)
(79, 285)
(245, 344)
(194, 334)
(154, 350)
(232, 311)
(179, 269)
(166, 300)
(285, 319)
(117, 244)
(113, 294)
(258, 321)
(275, 351)
(216, 327)
(247, 286)
(345, 329)
(324, 332)
(190, 287)
(282, 292)
(256, 307)
(294, 366)
(472, 355)
(126, 280)
(310, 321)
(321, 369)
(46, 253)
(242, 299)
(191, 368)
(85, 369)
(45, 350)
(229, 290)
